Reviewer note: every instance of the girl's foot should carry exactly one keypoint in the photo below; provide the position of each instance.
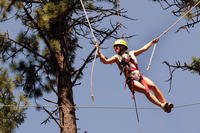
(164, 107)
(168, 107)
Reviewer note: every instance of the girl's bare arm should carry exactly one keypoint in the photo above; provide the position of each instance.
(105, 60)
(146, 47)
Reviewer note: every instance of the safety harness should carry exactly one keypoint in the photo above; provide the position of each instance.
(128, 65)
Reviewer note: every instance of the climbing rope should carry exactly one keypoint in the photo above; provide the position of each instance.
(163, 33)
(119, 22)
(122, 34)
(88, 21)
(95, 55)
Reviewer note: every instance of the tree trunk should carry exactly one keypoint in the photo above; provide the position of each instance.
(66, 104)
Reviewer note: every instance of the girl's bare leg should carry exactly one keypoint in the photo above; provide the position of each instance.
(137, 86)
(159, 95)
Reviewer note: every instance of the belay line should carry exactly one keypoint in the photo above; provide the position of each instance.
(163, 33)
(122, 36)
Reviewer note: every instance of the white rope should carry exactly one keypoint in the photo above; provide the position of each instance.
(93, 63)
(163, 33)
(92, 76)
(119, 21)
(92, 31)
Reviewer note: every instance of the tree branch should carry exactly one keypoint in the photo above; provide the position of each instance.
(193, 67)
(25, 47)
(88, 59)
(51, 116)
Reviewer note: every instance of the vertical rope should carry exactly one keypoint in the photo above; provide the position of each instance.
(136, 109)
(121, 33)
(86, 15)
(163, 33)
(95, 55)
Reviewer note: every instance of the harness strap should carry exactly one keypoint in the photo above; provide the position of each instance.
(128, 78)
(142, 81)
(126, 75)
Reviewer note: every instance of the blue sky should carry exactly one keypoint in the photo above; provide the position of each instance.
(109, 85)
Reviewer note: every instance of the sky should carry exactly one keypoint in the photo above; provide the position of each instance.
(109, 85)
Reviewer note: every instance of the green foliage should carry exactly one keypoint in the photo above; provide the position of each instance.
(42, 54)
(48, 42)
(29, 41)
(6, 7)
(55, 44)
(49, 12)
(11, 115)
(6, 46)
(195, 65)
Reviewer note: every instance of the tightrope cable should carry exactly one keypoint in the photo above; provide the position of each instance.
(169, 28)
(101, 107)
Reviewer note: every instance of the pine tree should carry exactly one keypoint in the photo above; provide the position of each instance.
(42, 55)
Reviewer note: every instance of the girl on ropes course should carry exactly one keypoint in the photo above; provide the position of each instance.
(127, 63)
